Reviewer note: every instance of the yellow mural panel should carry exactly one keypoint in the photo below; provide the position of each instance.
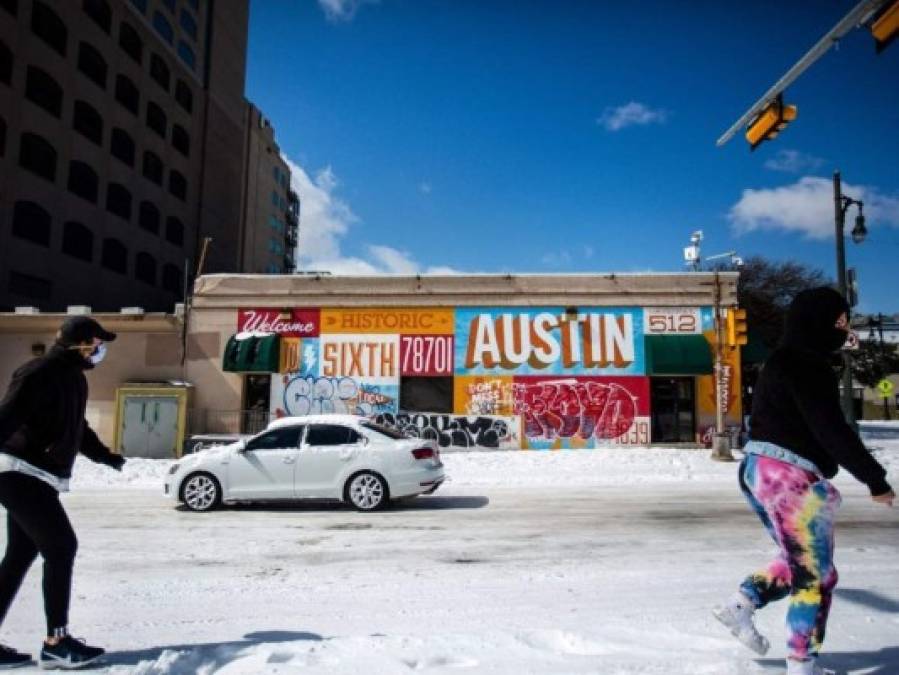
(389, 320)
(483, 395)
(731, 390)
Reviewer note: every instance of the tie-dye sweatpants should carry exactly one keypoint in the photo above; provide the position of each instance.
(797, 508)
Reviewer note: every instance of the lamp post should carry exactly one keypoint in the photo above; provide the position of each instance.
(841, 204)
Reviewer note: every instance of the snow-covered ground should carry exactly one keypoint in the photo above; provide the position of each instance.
(603, 561)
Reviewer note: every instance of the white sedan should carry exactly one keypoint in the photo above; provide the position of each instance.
(315, 457)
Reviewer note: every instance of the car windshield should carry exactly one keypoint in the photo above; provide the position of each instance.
(384, 431)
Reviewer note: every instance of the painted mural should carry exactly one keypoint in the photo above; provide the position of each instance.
(522, 377)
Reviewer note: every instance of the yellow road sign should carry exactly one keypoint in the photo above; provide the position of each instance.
(885, 387)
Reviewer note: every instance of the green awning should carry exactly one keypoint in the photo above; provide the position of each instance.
(247, 353)
(678, 355)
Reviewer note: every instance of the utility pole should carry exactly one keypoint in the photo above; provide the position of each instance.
(721, 443)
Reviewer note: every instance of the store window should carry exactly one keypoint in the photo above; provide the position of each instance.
(42, 90)
(426, 394)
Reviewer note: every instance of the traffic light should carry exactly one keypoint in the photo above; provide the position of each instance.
(885, 26)
(771, 121)
(736, 327)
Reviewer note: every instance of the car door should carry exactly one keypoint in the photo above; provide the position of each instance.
(264, 469)
(324, 453)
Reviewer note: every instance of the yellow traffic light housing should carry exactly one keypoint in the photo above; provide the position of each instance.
(736, 328)
(771, 121)
(885, 27)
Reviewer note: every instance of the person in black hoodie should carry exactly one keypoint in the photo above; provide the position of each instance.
(799, 438)
(42, 427)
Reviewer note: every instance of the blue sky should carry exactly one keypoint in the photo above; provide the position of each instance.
(572, 136)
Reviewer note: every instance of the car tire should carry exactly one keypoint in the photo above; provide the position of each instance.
(201, 492)
(366, 491)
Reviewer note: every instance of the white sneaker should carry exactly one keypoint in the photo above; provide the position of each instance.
(736, 615)
(807, 667)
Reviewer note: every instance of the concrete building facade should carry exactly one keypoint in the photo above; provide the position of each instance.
(120, 148)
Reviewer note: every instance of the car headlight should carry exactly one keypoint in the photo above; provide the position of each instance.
(174, 468)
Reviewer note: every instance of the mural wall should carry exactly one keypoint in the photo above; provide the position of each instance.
(534, 377)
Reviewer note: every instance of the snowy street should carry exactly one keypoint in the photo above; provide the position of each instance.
(527, 562)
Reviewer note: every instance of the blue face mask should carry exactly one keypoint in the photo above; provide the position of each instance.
(98, 355)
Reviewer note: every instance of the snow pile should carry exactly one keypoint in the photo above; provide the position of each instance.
(137, 473)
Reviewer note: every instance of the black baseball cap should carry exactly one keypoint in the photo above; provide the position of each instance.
(78, 329)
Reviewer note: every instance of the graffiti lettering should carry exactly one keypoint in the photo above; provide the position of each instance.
(512, 340)
(489, 397)
(309, 395)
(568, 408)
(455, 430)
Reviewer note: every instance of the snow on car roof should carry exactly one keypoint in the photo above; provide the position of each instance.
(334, 418)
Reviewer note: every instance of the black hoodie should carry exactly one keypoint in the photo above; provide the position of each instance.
(796, 403)
(42, 415)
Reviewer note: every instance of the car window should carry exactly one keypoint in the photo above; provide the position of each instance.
(384, 431)
(286, 437)
(331, 434)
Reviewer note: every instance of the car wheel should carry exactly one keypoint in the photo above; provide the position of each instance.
(201, 492)
(367, 491)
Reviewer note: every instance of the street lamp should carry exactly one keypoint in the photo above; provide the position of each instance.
(841, 204)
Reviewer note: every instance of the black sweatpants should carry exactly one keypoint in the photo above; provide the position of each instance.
(36, 523)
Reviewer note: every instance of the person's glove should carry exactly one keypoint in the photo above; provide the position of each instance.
(117, 462)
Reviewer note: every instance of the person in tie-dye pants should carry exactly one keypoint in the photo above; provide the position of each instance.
(799, 438)
(797, 508)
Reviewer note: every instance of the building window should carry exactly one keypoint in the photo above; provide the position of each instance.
(145, 268)
(2, 137)
(180, 140)
(11, 6)
(159, 71)
(121, 145)
(130, 42)
(184, 96)
(148, 217)
(5, 63)
(188, 24)
(118, 200)
(87, 122)
(170, 5)
(92, 64)
(274, 199)
(78, 241)
(141, 5)
(29, 286)
(31, 222)
(46, 24)
(100, 12)
(43, 91)
(83, 181)
(187, 54)
(171, 279)
(152, 167)
(38, 156)
(276, 173)
(178, 185)
(163, 27)
(174, 231)
(156, 119)
(114, 256)
(126, 94)
(284, 180)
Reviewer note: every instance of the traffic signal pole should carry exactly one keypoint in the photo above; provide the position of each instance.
(721, 442)
(840, 227)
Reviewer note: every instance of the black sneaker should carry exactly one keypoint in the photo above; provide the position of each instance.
(10, 658)
(69, 653)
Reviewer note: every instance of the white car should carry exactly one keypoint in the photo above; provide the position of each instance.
(315, 457)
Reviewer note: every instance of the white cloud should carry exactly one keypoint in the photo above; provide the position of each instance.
(806, 207)
(342, 10)
(630, 114)
(793, 161)
(325, 219)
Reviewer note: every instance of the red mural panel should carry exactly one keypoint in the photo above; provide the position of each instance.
(580, 407)
(427, 355)
(287, 323)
